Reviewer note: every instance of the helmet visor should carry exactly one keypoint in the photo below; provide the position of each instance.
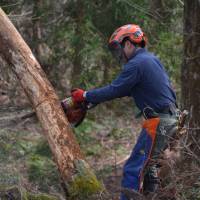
(117, 52)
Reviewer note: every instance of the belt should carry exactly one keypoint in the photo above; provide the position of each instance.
(149, 112)
(170, 109)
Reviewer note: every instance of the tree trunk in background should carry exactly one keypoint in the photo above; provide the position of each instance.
(42, 96)
(157, 8)
(78, 44)
(40, 49)
(191, 64)
(37, 35)
(161, 12)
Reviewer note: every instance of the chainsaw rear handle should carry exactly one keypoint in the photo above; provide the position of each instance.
(89, 106)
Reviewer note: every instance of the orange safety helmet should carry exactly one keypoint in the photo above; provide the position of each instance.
(131, 32)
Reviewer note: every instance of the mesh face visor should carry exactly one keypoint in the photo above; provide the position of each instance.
(116, 50)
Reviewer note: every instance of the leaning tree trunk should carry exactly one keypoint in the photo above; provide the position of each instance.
(45, 102)
(191, 65)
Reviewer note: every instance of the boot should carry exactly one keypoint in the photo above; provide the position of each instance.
(151, 180)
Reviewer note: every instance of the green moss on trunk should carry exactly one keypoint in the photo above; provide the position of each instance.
(84, 184)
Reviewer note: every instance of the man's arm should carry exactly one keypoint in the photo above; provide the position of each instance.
(120, 87)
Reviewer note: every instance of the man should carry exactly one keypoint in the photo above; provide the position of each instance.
(143, 77)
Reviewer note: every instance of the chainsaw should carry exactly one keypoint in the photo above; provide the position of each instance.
(75, 112)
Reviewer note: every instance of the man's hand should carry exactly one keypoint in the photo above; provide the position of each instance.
(78, 95)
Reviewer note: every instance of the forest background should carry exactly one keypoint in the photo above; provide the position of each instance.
(69, 39)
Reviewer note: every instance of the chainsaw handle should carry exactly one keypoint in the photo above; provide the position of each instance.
(90, 106)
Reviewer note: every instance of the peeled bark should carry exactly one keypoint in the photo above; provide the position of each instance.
(45, 102)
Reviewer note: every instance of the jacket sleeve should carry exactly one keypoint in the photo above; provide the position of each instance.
(120, 87)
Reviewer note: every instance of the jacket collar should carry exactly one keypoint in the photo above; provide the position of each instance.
(138, 51)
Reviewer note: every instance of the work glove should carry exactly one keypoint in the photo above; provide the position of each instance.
(78, 95)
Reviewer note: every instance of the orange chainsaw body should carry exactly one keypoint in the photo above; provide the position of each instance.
(75, 112)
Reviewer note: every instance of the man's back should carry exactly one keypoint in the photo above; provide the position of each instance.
(153, 88)
(143, 78)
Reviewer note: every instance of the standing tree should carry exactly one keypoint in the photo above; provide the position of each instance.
(191, 64)
(161, 14)
(41, 94)
(77, 15)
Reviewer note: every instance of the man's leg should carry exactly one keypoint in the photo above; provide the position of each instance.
(165, 132)
(151, 181)
(133, 169)
(133, 165)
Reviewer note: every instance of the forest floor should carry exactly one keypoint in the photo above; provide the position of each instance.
(106, 140)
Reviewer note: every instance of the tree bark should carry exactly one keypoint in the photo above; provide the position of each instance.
(45, 102)
(190, 75)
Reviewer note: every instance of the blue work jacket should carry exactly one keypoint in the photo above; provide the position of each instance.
(144, 78)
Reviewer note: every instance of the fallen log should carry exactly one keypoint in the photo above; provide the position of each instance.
(63, 144)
